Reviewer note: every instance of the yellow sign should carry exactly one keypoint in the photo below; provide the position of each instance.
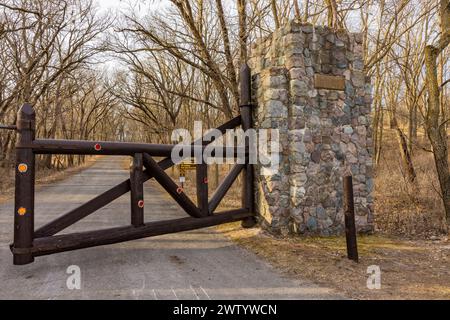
(188, 166)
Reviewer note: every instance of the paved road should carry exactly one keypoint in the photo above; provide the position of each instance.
(200, 264)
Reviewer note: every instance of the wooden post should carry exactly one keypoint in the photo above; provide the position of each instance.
(137, 191)
(246, 115)
(24, 195)
(350, 226)
(202, 189)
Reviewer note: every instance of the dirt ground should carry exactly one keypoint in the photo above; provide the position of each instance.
(409, 269)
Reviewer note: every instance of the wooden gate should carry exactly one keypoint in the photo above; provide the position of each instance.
(29, 243)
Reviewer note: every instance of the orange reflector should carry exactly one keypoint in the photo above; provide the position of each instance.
(22, 211)
(22, 168)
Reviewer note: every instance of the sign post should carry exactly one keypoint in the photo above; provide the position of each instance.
(183, 168)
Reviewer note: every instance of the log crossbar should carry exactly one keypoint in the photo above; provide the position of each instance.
(81, 240)
(30, 243)
(108, 148)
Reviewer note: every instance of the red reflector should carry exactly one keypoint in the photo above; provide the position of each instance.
(141, 204)
(98, 147)
(180, 190)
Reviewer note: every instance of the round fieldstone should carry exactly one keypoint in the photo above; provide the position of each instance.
(316, 156)
(311, 224)
(321, 213)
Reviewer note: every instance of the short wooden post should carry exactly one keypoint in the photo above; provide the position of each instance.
(202, 189)
(137, 191)
(350, 226)
(24, 195)
(246, 115)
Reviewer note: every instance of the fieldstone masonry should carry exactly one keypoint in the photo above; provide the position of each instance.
(324, 133)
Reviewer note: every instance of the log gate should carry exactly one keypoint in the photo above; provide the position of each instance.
(30, 243)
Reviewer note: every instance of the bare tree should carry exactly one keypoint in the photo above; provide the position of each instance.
(333, 18)
(46, 45)
(435, 123)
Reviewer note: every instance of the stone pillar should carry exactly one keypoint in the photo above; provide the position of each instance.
(309, 83)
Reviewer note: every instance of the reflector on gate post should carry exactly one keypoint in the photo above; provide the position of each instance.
(97, 147)
(141, 204)
(22, 168)
(22, 211)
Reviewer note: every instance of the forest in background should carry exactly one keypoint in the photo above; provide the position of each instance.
(137, 73)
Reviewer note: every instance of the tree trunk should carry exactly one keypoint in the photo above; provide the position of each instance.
(275, 14)
(379, 142)
(435, 130)
(306, 16)
(406, 155)
(333, 19)
(435, 124)
(412, 127)
(403, 145)
(297, 11)
(243, 35)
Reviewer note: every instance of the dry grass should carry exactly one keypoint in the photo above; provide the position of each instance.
(409, 269)
(405, 209)
(43, 176)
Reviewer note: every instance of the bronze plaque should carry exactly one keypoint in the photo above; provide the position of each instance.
(322, 81)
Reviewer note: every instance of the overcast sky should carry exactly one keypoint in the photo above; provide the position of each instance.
(106, 4)
(114, 4)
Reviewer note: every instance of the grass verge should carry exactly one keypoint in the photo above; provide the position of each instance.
(415, 269)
